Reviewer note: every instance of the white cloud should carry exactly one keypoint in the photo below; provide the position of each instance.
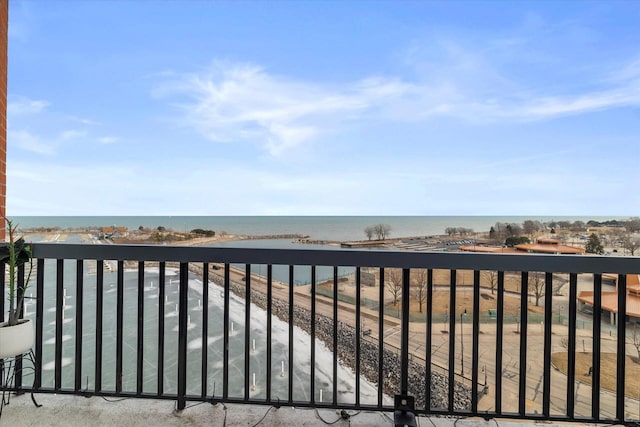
(108, 139)
(27, 141)
(72, 134)
(18, 105)
(245, 103)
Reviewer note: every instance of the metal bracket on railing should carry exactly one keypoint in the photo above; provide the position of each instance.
(404, 413)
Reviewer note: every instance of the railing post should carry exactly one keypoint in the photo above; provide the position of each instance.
(182, 335)
(404, 345)
(39, 320)
(119, 324)
(404, 404)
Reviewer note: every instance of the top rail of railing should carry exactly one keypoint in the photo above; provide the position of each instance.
(377, 258)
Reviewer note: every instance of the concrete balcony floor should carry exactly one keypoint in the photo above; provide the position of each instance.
(69, 411)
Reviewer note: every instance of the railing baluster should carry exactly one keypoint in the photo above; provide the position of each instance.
(204, 356)
(499, 342)
(359, 334)
(247, 329)
(595, 359)
(99, 319)
(290, 367)
(183, 306)
(79, 314)
(269, 332)
(548, 305)
(428, 341)
(119, 325)
(476, 334)
(571, 345)
(404, 344)
(452, 339)
(524, 323)
(60, 303)
(380, 337)
(225, 360)
(18, 362)
(39, 321)
(140, 333)
(335, 336)
(312, 327)
(161, 303)
(621, 356)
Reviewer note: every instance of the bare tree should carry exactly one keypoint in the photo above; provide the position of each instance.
(530, 227)
(419, 280)
(394, 284)
(382, 231)
(631, 244)
(536, 285)
(636, 341)
(369, 231)
(492, 278)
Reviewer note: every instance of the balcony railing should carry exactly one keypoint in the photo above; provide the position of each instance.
(226, 324)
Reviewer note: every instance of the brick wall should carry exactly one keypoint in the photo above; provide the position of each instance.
(4, 29)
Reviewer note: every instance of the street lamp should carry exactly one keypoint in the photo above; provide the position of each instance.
(462, 342)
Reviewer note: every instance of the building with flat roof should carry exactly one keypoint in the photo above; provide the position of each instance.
(542, 246)
(610, 299)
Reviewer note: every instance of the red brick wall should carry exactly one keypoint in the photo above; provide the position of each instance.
(4, 29)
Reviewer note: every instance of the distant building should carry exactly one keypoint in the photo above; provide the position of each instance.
(549, 246)
(543, 246)
(610, 298)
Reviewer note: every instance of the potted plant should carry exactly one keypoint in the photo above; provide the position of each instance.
(16, 335)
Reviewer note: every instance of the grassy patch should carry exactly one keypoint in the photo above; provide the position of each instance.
(608, 370)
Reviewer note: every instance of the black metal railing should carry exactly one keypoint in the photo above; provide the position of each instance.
(104, 328)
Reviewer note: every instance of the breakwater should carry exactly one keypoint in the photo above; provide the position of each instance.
(368, 352)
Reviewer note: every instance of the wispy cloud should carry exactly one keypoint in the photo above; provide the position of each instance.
(236, 102)
(108, 139)
(72, 134)
(244, 103)
(23, 105)
(29, 142)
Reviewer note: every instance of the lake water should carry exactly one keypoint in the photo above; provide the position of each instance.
(317, 227)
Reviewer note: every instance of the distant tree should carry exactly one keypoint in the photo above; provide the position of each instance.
(636, 342)
(631, 244)
(140, 228)
(161, 228)
(553, 231)
(202, 232)
(492, 279)
(593, 245)
(530, 227)
(536, 285)
(382, 231)
(450, 231)
(512, 241)
(368, 231)
(513, 229)
(578, 226)
(564, 224)
(419, 280)
(394, 284)
(492, 233)
(633, 225)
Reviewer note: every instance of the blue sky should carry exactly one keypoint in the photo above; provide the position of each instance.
(323, 108)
